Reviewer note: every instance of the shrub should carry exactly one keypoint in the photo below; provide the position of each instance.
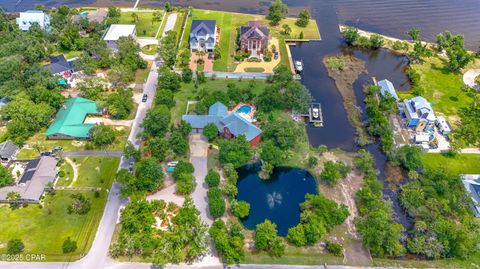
(216, 203)
(15, 246)
(240, 209)
(61, 173)
(212, 178)
(69, 245)
(296, 235)
(186, 183)
(333, 171)
(210, 131)
(334, 248)
(182, 167)
(80, 204)
(312, 161)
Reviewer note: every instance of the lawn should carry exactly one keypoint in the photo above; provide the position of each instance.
(68, 145)
(293, 256)
(92, 172)
(229, 23)
(254, 69)
(146, 27)
(188, 92)
(441, 87)
(43, 230)
(150, 49)
(141, 75)
(460, 164)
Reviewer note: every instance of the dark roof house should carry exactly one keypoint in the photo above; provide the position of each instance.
(254, 37)
(8, 150)
(203, 35)
(69, 121)
(35, 178)
(59, 66)
(230, 125)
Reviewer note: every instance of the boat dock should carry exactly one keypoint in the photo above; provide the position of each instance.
(315, 115)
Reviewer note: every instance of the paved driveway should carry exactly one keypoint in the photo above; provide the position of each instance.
(198, 157)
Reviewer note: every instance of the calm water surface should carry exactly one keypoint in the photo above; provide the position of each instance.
(277, 199)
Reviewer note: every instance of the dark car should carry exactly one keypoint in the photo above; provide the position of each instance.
(144, 98)
(46, 153)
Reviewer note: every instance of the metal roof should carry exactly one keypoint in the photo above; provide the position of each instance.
(8, 149)
(115, 31)
(387, 86)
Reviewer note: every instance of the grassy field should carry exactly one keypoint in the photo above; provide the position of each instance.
(92, 172)
(441, 87)
(188, 92)
(228, 23)
(460, 164)
(141, 75)
(68, 145)
(43, 230)
(293, 256)
(145, 25)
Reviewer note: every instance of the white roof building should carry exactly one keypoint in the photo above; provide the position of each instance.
(27, 18)
(387, 86)
(471, 183)
(443, 125)
(118, 30)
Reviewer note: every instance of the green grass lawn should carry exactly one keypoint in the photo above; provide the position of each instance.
(254, 69)
(145, 25)
(460, 164)
(441, 87)
(179, 24)
(150, 49)
(293, 256)
(69, 145)
(188, 92)
(92, 172)
(229, 23)
(43, 230)
(68, 170)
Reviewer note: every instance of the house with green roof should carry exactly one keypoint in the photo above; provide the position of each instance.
(69, 121)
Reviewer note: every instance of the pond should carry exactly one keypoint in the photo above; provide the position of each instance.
(278, 198)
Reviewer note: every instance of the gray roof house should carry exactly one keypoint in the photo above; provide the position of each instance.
(230, 125)
(472, 185)
(203, 35)
(8, 150)
(387, 87)
(59, 66)
(29, 17)
(32, 183)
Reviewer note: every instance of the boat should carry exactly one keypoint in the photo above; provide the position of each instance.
(315, 112)
(299, 66)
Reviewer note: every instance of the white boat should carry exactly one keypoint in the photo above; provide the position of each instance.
(299, 66)
(315, 112)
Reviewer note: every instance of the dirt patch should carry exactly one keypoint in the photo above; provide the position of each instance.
(344, 70)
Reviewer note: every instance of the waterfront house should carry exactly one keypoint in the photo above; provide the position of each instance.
(472, 185)
(419, 114)
(8, 151)
(69, 121)
(35, 178)
(229, 125)
(60, 66)
(386, 87)
(203, 35)
(254, 38)
(98, 15)
(116, 31)
(29, 17)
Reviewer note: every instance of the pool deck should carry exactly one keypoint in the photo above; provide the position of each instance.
(252, 109)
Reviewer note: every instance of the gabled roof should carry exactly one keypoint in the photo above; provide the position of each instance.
(254, 30)
(238, 125)
(218, 109)
(58, 64)
(203, 27)
(199, 121)
(8, 149)
(115, 31)
(69, 119)
(471, 183)
(27, 18)
(387, 86)
(38, 173)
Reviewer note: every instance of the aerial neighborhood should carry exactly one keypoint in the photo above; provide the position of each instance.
(165, 136)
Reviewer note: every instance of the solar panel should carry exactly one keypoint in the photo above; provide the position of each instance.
(27, 176)
(32, 164)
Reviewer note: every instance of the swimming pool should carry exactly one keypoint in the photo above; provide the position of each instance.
(244, 109)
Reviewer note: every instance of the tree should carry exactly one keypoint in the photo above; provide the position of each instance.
(69, 245)
(210, 131)
(410, 157)
(228, 241)
(286, 29)
(168, 48)
(119, 104)
(235, 151)
(333, 171)
(266, 238)
(212, 178)
(158, 147)
(134, 17)
(240, 209)
(468, 131)
(102, 135)
(157, 16)
(168, 7)
(182, 167)
(277, 12)
(312, 161)
(303, 18)
(351, 35)
(414, 34)
(121, 74)
(283, 133)
(5, 176)
(216, 204)
(165, 97)
(271, 153)
(131, 152)
(458, 56)
(168, 79)
(185, 183)
(15, 246)
(157, 120)
(128, 53)
(179, 143)
(128, 182)
(334, 248)
(13, 197)
(80, 204)
(149, 175)
(296, 236)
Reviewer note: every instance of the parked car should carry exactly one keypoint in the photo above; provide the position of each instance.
(56, 149)
(275, 55)
(46, 153)
(144, 98)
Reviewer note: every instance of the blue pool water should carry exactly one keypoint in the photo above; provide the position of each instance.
(244, 109)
